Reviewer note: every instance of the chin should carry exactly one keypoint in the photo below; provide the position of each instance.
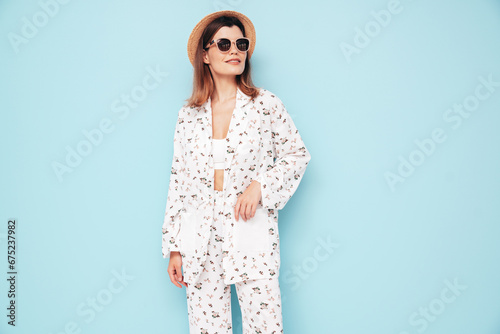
(234, 71)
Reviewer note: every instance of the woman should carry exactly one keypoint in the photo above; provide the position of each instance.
(238, 159)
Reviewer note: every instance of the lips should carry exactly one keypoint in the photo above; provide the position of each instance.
(233, 61)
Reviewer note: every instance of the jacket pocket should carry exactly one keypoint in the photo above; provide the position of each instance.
(253, 235)
(187, 233)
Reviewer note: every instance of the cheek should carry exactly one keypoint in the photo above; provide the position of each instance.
(214, 57)
(218, 61)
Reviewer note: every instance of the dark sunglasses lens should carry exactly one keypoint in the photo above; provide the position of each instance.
(224, 45)
(242, 44)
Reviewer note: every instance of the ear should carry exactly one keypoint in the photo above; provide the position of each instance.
(205, 57)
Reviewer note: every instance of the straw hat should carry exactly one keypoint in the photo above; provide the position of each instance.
(200, 27)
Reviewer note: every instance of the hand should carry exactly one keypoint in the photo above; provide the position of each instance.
(174, 269)
(246, 205)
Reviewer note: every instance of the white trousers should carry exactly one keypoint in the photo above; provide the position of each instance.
(209, 300)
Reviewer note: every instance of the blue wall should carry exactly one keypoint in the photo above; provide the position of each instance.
(394, 229)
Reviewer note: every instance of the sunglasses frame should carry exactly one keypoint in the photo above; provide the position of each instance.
(216, 42)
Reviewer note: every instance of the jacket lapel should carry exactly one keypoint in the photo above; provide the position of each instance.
(237, 127)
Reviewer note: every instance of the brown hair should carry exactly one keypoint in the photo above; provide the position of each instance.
(203, 85)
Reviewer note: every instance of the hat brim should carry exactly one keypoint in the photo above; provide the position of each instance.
(195, 35)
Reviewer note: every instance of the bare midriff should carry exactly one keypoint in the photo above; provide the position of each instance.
(218, 179)
(221, 119)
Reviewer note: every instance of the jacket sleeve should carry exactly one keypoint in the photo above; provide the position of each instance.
(282, 179)
(171, 223)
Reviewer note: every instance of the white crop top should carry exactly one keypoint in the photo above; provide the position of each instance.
(219, 149)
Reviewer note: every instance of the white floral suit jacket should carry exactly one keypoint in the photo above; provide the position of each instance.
(264, 145)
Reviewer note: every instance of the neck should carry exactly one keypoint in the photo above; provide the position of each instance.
(225, 89)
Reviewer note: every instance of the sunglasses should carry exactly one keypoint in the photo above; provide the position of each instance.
(224, 44)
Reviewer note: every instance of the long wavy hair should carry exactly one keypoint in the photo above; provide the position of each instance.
(203, 84)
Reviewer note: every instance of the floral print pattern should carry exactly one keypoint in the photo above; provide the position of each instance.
(209, 300)
(264, 145)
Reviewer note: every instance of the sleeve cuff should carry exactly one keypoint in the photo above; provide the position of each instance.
(260, 179)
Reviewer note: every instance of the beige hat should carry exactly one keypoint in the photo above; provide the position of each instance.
(200, 27)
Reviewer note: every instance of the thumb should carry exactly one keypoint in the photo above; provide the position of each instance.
(178, 275)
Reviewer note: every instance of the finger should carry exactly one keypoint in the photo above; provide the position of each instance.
(178, 274)
(252, 211)
(172, 278)
(241, 212)
(180, 277)
(181, 281)
(245, 211)
(236, 209)
(249, 211)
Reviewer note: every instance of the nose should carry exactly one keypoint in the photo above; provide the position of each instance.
(233, 48)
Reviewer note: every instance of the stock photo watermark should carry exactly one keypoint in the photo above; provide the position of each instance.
(31, 26)
(321, 253)
(12, 274)
(88, 309)
(429, 313)
(94, 137)
(427, 146)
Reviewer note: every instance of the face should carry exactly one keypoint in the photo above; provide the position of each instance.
(218, 61)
